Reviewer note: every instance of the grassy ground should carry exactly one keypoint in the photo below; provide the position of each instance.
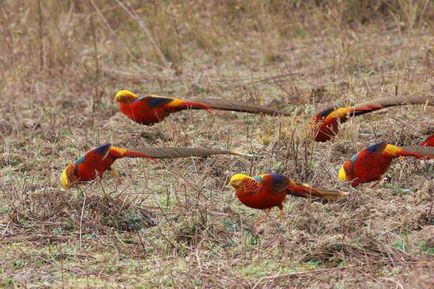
(177, 223)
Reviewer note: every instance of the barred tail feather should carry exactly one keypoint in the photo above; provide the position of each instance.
(223, 104)
(380, 103)
(185, 152)
(398, 100)
(235, 153)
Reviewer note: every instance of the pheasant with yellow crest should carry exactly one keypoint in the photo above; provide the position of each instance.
(151, 109)
(98, 160)
(264, 192)
(372, 162)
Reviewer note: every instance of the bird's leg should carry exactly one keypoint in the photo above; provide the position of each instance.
(281, 215)
(267, 214)
(262, 218)
(259, 221)
(115, 174)
(375, 184)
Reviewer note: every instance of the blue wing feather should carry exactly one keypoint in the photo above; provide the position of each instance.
(102, 150)
(327, 111)
(278, 178)
(279, 182)
(154, 101)
(378, 147)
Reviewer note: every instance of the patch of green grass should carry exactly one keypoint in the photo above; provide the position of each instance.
(18, 263)
(399, 191)
(424, 247)
(301, 33)
(89, 236)
(258, 270)
(342, 264)
(392, 272)
(428, 169)
(4, 208)
(400, 245)
(65, 132)
(7, 282)
(197, 89)
(312, 264)
(250, 239)
(230, 225)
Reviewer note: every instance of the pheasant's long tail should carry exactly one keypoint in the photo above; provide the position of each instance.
(186, 152)
(228, 105)
(379, 103)
(396, 100)
(196, 105)
(418, 151)
(360, 110)
(135, 154)
(305, 191)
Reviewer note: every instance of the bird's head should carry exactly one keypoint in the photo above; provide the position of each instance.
(125, 96)
(345, 172)
(238, 181)
(67, 176)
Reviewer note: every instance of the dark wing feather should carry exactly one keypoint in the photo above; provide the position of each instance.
(377, 148)
(276, 183)
(324, 113)
(156, 101)
(103, 149)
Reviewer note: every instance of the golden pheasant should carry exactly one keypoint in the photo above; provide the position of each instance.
(100, 159)
(325, 125)
(372, 162)
(154, 108)
(264, 192)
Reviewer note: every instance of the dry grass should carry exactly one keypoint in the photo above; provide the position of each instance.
(176, 223)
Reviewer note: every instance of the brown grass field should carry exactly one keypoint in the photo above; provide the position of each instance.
(176, 223)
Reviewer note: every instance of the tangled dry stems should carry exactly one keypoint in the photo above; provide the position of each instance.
(176, 223)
